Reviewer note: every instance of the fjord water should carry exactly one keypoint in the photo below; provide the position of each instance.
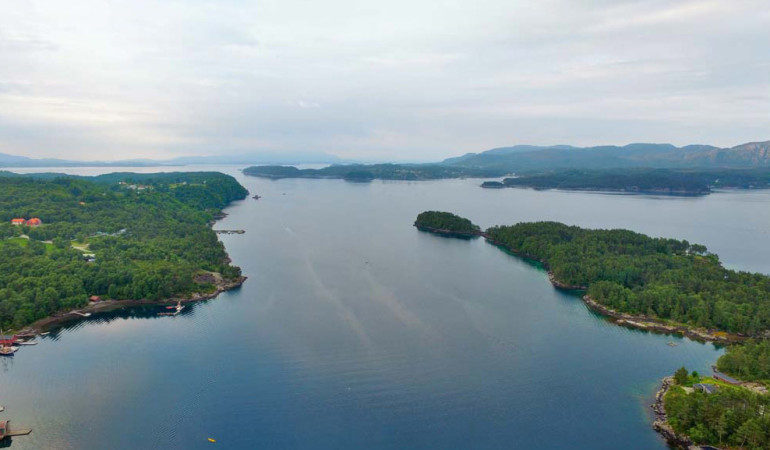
(355, 330)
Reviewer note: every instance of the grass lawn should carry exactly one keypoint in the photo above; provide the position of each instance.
(24, 242)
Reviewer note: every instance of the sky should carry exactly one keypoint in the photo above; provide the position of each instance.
(401, 80)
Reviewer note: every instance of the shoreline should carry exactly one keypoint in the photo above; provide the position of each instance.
(662, 191)
(48, 323)
(660, 422)
(449, 233)
(640, 322)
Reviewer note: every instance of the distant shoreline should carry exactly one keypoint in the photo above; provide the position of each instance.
(666, 192)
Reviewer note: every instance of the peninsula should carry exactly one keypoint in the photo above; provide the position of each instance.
(110, 240)
(669, 286)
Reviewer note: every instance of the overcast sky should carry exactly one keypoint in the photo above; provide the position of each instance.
(396, 79)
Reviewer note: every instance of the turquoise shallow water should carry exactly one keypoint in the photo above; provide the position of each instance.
(355, 330)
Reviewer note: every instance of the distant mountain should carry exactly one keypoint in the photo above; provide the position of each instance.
(256, 158)
(22, 161)
(533, 158)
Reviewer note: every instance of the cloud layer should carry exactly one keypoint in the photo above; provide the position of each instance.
(377, 80)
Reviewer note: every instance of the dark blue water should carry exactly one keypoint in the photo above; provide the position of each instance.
(355, 330)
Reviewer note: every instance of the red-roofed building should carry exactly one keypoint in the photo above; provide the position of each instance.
(94, 298)
(33, 222)
(18, 221)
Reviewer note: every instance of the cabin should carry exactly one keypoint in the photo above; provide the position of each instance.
(726, 378)
(34, 222)
(18, 221)
(7, 340)
(705, 388)
(94, 298)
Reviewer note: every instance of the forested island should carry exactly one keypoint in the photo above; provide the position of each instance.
(652, 181)
(667, 285)
(446, 223)
(120, 236)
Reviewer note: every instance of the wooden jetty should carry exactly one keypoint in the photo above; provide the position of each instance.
(229, 231)
(7, 431)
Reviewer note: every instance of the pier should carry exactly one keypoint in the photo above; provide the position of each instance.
(7, 431)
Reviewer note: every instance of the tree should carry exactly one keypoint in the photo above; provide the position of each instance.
(681, 376)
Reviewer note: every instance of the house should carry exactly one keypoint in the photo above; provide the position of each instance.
(18, 221)
(726, 378)
(705, 387)
(94, 298)
(33, 222)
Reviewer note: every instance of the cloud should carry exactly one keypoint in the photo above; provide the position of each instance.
(387, 80)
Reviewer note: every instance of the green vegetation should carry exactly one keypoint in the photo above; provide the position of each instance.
(732, 416)
(749, 361)
(681, 376)
(150, 243)
(633, 273)
(445, 222)
(673, 280)
(363, 172)
(667, 181)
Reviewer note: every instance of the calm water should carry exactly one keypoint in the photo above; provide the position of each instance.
(355, 330)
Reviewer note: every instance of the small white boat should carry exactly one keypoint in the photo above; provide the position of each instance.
(45, 334)
(27, 342)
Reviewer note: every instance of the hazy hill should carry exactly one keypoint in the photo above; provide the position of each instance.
(529, 158)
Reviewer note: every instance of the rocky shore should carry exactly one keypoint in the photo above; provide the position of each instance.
(660, 422)
(450, 233)
(656, 325)
(43, 325)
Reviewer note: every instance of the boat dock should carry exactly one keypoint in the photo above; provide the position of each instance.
(7, 431)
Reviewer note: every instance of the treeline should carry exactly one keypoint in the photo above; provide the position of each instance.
(732, 417)
(671, 181)
(149, 244)
(749, 361)
(444, 221)
(365, 172)
(633, 273)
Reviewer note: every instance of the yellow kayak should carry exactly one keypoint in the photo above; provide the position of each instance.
(212, 440)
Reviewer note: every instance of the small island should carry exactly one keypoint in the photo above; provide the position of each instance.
(446, 224)
(668, 286)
